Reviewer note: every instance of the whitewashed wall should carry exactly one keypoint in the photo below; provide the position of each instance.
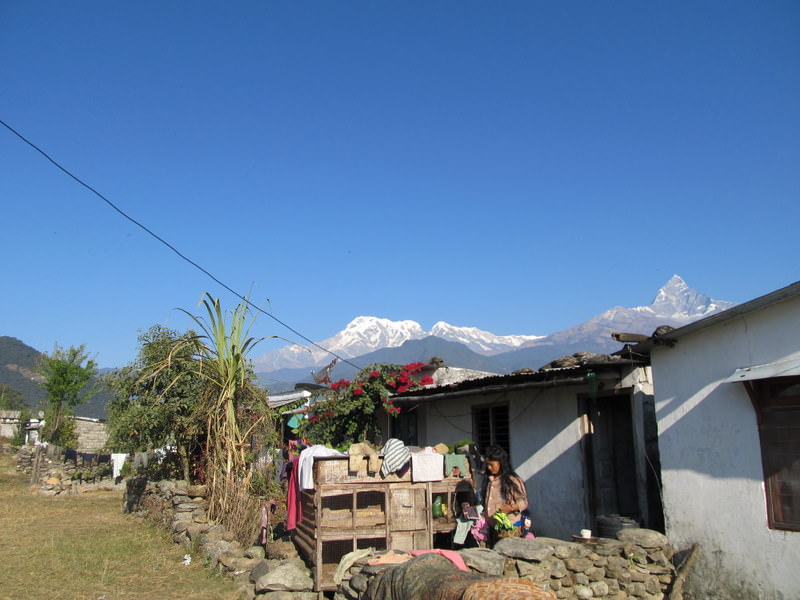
(545, 450)
(711, 457)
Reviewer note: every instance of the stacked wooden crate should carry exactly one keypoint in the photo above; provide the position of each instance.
(348, 510)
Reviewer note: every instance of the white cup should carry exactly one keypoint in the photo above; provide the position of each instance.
(586, 533)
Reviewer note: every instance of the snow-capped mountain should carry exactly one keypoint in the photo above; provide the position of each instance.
(361, 336)
(675, 304)
(367, 334)
(677, 300)
(480, 341)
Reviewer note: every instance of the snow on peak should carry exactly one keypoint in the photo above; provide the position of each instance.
(480, 341)
(677, 300)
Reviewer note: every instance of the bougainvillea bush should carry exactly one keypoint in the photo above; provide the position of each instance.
(347, 414)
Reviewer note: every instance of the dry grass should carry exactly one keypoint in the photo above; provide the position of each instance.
(83, 547)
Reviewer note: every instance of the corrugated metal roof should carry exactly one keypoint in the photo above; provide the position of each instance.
(782, 368)
(277, 400)
(543, 378)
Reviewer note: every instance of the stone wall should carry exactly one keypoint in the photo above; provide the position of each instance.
(92, 435)
(48, 468)
(636, 566)
(272, 571)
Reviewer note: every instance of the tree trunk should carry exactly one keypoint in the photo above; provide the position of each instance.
(183, 454)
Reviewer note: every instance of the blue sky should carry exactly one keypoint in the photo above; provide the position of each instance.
(515, 166)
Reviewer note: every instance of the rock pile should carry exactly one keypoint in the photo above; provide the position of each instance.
(636, 566)
(55, 476)
(271, 572)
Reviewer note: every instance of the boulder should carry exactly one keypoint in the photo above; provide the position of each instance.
(255, 552)
(287, 577)
(608, 547)
(288, 596)
(483, 560)
(578, 564)
(563, 549)
(262, 567)
(599, 588)
(522, 548)
(197, 491)
(536, 572)
(280, 550)
(646, 538)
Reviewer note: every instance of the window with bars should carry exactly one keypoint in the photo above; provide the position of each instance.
(777, 402)
(490, 426)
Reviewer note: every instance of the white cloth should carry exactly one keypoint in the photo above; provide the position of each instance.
(427, 467)
(117, 460)
(305, 466)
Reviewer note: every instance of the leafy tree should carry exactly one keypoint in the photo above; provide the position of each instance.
(10, 399)
(67, 374)
(156, 396)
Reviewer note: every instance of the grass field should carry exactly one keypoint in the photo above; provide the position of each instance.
(83, 547)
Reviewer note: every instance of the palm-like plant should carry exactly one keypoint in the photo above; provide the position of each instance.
(233, 408)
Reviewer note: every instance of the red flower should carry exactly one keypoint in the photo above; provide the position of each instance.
(426, 380)
(403, 378)
(402, 388)
(414, 367)
(374, 374)
(391, 383)
(358, 391)
(342, 383)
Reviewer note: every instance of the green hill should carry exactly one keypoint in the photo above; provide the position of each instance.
(18, 363)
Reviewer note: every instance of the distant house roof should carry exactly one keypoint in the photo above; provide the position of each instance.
(9, 414)
(546, 377)
(785, 293)
(284, 398)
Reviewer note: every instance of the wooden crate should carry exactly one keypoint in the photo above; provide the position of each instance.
(349, 510)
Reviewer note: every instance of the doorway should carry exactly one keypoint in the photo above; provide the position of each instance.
(611, 456)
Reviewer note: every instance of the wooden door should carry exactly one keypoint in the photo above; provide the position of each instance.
(612, 457)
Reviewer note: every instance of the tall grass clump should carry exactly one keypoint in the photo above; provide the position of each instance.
(234, 411)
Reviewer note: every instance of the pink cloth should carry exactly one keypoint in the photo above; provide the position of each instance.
(294, 509)
(451, 555)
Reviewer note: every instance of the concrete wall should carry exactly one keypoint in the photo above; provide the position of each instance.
(545, 449)
(712, 477)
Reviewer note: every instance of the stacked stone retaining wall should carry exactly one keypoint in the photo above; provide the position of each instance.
(636, 566)
(272, 571)
(48, 469)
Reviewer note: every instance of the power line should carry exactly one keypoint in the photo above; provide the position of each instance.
(171, 247)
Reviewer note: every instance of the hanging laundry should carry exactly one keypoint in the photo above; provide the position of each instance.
(395, 456)
(427, 466)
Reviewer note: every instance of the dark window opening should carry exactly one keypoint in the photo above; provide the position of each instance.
(777, 402)
(490, 426)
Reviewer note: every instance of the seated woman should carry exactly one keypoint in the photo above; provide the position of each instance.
(503, 491)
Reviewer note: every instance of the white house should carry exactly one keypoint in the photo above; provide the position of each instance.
(578, 437)
(727, 394)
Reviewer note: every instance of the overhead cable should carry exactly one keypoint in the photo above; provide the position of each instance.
(171, 247)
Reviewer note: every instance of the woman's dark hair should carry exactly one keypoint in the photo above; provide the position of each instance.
(508, 486)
